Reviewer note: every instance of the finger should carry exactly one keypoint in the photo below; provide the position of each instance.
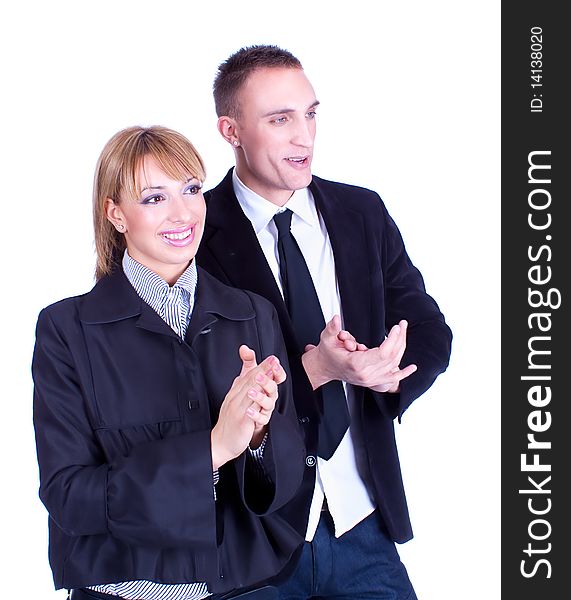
(408, 370)
(392, 384)
(261, 401)
(309, 347)
(268, 363)
(347, 340)
(278, 374)
(276, 371)
(394, 333)
(403, 338)
(269, 386)
(350, 345)
(390, 342)
(393, 347)
(401, 374)
(270, 366)
(248, 358)
(333, 327)
(259, 417)
(263, 404)
(362, 347)
(345, 335)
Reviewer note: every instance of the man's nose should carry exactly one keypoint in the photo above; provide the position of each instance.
(303, 133)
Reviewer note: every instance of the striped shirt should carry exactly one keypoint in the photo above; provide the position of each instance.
(174, 304)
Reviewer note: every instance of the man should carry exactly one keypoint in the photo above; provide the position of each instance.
(327, 255)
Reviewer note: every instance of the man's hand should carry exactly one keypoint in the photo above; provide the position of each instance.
(339, 356)
(247, 407)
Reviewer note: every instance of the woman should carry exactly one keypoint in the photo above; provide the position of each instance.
(164, 448)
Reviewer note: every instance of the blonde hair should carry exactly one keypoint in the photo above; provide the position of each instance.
(116, 178)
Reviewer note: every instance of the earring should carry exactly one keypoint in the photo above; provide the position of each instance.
(235, 142)
(120, 227)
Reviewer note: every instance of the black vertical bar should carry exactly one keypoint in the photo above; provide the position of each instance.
(536, 299)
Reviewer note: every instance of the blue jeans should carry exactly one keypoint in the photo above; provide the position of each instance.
(363, 564)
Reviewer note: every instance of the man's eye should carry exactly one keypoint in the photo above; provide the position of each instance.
(280, 120)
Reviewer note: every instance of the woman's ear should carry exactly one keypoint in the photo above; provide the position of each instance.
(115, 215)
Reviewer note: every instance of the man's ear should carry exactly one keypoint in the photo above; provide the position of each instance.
(228, 130)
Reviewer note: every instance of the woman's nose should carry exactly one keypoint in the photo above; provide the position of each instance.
(180, 210)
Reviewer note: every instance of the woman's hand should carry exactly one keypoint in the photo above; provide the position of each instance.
(247, 407)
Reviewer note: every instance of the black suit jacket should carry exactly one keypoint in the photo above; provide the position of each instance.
(379, 286)
(123, 411)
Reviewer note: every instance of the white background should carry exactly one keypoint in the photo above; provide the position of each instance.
(409, 107)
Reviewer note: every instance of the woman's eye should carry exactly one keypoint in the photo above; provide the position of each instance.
(193, 189)
(311, 114)
(155, 199)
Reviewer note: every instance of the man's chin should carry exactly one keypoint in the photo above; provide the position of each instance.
(301, 181)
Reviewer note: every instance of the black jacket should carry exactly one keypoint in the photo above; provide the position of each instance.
(379, 286)
(123, 411)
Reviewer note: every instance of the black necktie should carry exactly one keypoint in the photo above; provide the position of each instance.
(308, 322)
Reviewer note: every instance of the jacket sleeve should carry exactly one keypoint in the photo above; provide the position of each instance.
(159, 494)
(284, 453)
(428, 336)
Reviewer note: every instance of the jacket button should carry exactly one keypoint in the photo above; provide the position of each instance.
(310, 461)
(304, 420)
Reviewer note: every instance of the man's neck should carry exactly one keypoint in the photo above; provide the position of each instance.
(275, 196)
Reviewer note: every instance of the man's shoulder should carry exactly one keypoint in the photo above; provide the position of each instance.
(224, 187)
(339, 185)
(351, 194)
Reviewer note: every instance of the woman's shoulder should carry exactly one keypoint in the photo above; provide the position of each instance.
(66, 309)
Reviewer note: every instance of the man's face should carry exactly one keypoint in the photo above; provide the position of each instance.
(276, 131)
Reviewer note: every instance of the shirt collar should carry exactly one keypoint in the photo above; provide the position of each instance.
(151, 287)
(261, 211)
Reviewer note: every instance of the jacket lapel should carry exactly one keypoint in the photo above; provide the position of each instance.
(347, 232)
(232, 240)
(114, 299)
(214, 300)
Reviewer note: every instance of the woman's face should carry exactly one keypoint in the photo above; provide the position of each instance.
(164, 225)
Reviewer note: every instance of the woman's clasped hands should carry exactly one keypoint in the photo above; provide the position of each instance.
(247, 407)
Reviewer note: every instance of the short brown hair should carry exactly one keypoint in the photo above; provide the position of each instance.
(116, 178)
(234, 71)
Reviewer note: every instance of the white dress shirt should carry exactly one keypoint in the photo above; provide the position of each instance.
(341, 479)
